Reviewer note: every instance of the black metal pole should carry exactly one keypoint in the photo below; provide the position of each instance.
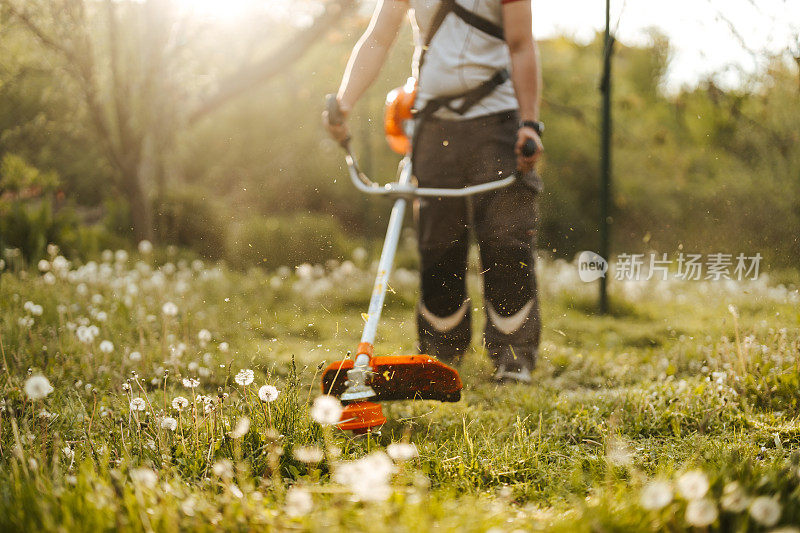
(605, 158)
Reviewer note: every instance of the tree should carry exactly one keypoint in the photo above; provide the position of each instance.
(126, 76)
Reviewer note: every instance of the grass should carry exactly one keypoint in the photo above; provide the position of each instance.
(681, 377)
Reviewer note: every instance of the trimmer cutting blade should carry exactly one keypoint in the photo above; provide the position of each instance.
(399, 377)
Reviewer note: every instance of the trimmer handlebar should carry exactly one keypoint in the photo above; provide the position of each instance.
(404, 187)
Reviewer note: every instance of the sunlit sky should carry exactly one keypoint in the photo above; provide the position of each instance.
(700, 31)
(702, 39)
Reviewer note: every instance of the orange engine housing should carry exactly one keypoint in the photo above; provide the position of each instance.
(399, 105)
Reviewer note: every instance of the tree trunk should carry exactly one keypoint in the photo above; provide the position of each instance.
(141, 212)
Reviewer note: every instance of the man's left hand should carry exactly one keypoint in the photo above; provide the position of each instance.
(525, 164)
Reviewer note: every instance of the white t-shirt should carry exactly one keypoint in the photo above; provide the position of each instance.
(461, 57)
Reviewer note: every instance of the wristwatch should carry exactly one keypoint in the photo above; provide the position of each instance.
(535, 125)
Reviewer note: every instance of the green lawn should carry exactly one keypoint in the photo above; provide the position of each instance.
(679, 408)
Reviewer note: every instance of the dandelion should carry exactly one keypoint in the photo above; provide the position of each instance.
(49, 278)
(765, 510)
(37, 387)
(298, 502)
(701, 513)
(169, 309)
(693, 485)
(241, 429)
(145, 247)
(106, 346)
(190, 383)
(368, 477)
(107, 256)
(169, 423)
(734, 498)
(244, 377)
(402, 451)
(126, 387)
(655, 495)
(204, 336)
(44, 265)
(326, 410)
(268, 393)
(308, 454)
(85, 334)
(224, 347)
(121, 256)
(135, 356)
(138, 404)
(733, 311)
(223, 469)
(144, 477)
(179, 403)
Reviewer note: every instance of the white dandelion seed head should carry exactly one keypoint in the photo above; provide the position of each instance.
(367, 478)
(298, 502)
(224, 347)
(49, 278)
(44, 265)
(169, 309)
(701, 513)
(327, 410)
(693, 485)
(244, 377)
(190, 383)
(732, 310)
(37, 387)
(655, 495)
(85, 334)
(144, 477)
(734, 499)
(204, 336)
(308, 454)
(241, 429)
(223, 469)
(135, 356)
(120, 256)
(268, 393)
(765, 510)
(52, 249)
(107, 256)
(106, 346)
(126, 387)
(60, 264)
(180, 403)
(402, 451)
(145, 247)
(169, 423)
(138, 404)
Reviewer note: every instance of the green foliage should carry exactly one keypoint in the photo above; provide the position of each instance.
(272, 242)
(189, 217)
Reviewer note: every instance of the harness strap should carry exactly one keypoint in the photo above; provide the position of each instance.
(475, 95)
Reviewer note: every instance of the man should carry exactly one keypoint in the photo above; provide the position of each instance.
(477, 103)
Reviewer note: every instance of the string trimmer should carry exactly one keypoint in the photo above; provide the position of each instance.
(362, 382)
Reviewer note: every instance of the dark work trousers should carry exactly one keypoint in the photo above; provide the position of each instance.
(456, 153)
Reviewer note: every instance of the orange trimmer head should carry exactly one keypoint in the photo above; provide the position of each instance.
(397, 377)
(400, 377)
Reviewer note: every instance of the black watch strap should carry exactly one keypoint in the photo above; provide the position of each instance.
(535, 125)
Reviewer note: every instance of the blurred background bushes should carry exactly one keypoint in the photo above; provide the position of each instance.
(707, 169)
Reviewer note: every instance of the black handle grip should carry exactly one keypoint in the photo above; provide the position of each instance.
(529, 148)
(335, 116)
